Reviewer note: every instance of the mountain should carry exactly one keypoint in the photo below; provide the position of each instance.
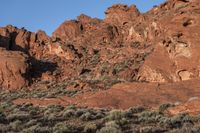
(127, 59)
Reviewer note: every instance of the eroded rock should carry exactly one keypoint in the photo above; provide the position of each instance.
(121, 14)
(14, 69)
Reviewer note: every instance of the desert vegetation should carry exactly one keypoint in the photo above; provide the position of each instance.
(27, 118)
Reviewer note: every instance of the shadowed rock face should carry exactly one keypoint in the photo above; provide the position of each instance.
(159, 46)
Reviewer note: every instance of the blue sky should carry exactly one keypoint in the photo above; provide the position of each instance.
(49, 14)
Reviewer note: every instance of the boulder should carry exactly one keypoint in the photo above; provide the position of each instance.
(14, 69)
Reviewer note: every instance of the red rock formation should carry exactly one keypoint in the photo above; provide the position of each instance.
(161, 46)
(14, 69)
(68, 30)
(121, 14)
(23, 40)
(176, 54)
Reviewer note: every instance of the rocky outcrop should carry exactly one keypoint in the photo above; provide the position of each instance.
(14, 69)
(15, 39)
(68, 30)
(158, 46)
(176, 53)
(120, 14)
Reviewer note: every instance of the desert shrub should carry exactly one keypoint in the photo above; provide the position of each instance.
(71, 107)
(68, 113)
(96, 114)
(95, 59)
(136, 110)
(195, 118)
(117, 68)
(151, 129)
(23, 116)
(165, 122)
(175, 121)
(37, 129)
(109, 130)
(52, 117)
(34, 111)
(99, 115)
(43, 130)
(25, 107)
(2, 117)
(90, 128)
(187, 128)
(31, 123)
(5, 105)
(52, 112)
(4, 128)
(111, 127)
(190, 128)
(1, 109)
(115, 115)
(164, 107)
(87, 116)
(62, 128)
(146, 129)
(112, 124)
(16, 125)
(149, 117)
(80, 112)
(55, 108)
(31, 129)
(118, 116)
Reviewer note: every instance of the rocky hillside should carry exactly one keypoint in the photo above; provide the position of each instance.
(127, 59)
